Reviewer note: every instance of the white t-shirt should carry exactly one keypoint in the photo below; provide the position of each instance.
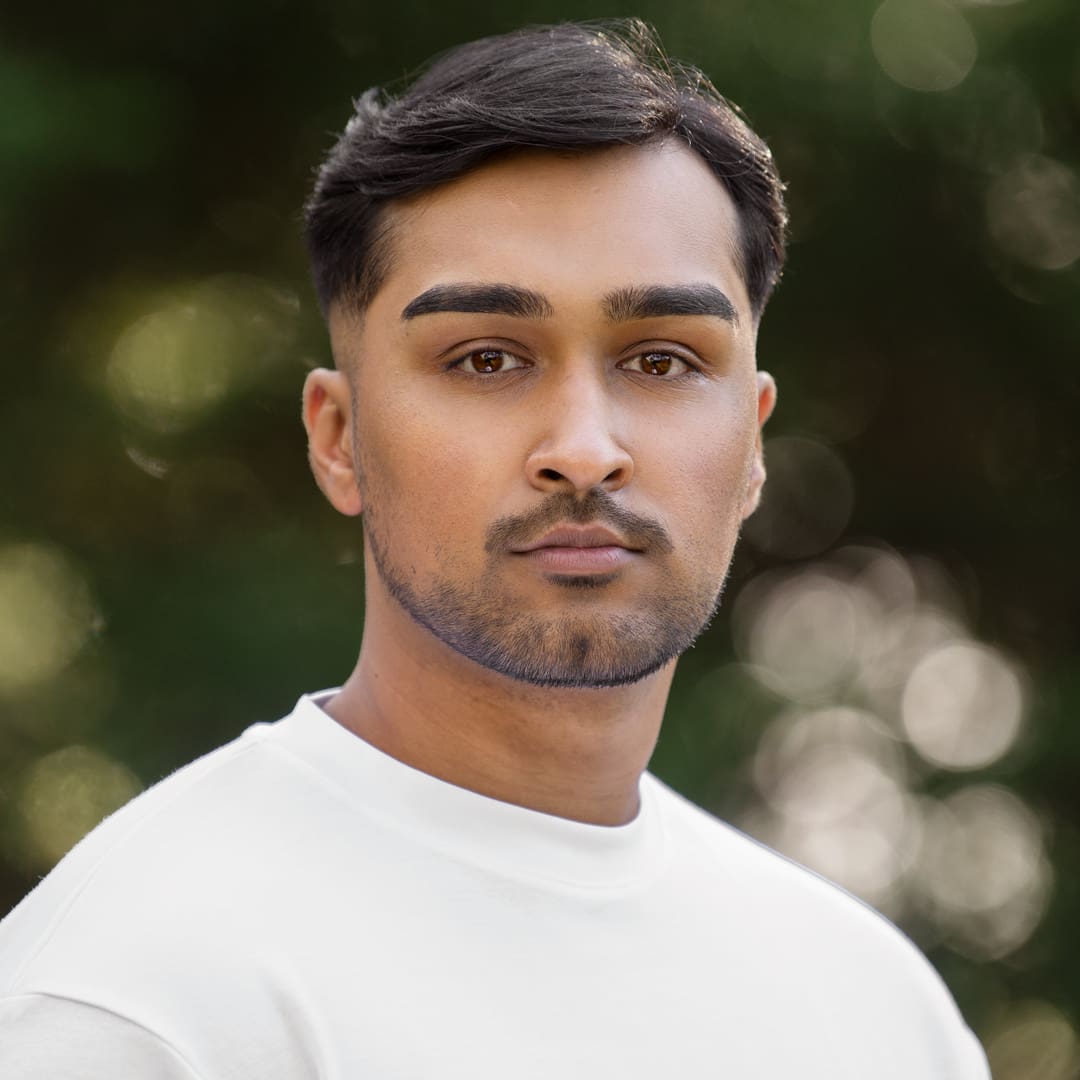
(299, 906)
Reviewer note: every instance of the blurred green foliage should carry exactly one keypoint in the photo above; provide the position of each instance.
(178, 574)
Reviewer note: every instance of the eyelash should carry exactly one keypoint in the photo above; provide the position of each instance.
(691, 369)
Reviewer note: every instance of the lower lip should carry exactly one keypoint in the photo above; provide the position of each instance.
(579, 560)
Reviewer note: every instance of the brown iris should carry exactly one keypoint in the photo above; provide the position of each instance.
(488, 360)
(655, 363)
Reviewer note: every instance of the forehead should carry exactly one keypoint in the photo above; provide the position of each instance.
(571, 226)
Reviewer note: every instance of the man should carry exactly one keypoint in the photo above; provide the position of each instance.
(543, 269)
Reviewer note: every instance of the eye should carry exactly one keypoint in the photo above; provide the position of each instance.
(487, 362)
(657, 363)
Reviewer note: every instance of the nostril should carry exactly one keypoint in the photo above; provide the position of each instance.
(551, 474)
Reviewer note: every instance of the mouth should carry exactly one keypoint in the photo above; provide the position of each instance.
(577, 550)
(575, 536)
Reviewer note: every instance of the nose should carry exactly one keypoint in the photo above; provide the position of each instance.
(577, 449)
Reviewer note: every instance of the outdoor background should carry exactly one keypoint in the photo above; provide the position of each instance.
(890, 693)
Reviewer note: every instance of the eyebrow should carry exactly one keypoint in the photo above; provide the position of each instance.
(620, 305)
(480, 299)
(655, 301)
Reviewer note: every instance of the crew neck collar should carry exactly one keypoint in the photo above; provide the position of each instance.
(503, 837)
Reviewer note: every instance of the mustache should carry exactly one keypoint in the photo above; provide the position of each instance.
(597, 507)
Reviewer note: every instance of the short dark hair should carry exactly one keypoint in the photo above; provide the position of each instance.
(573, 86)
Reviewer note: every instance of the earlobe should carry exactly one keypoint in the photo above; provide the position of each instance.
(766, 402)
(327, 413)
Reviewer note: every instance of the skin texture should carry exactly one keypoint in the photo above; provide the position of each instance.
(648, 426)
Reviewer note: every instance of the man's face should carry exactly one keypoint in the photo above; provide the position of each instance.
(556, 411)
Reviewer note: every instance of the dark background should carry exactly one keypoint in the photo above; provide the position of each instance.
(897, 708)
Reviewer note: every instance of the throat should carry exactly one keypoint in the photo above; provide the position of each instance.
(570, 752)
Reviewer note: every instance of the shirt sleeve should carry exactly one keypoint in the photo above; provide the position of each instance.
(54, 1038)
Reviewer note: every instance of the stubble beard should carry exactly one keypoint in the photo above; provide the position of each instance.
(487, 624)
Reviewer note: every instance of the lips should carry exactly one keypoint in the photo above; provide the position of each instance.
(578, 550)
(569, 536)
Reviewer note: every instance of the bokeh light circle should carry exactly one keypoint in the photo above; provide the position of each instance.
(46, 614)
(825, 764)
(1033, 213)
(962, 706)
(923, 44)
(1033, 1041)
(983, 870)
(833, 782)
(193, 346)
(66, 793)
(800, 634)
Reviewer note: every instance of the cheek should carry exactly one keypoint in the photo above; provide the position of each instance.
(708, 478)
(424, 479)
(713, 459)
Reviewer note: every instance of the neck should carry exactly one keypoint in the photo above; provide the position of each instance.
(574, 753)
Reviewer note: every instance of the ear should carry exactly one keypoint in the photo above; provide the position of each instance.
(327, 411)
(766, 402)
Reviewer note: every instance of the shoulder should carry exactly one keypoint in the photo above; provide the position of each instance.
(772, 879)
(790, 897)
(851, 961)
(164, 861)
(165, 916)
